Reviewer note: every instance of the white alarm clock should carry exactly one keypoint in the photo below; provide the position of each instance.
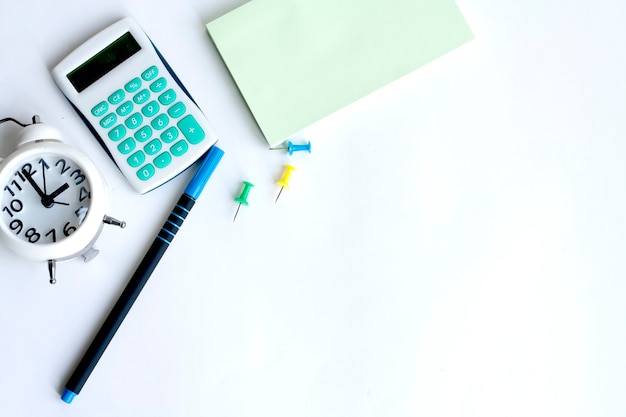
(54, 200)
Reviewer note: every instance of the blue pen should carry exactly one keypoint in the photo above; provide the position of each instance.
(141, 275)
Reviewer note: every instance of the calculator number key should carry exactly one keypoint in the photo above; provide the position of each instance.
(134, 121)
(170, 135)
(117, 133)
(150, 109)
(136, 159)
(127, 146)
(160, 122)
(143, 134)
(146, 172)
(153, 147)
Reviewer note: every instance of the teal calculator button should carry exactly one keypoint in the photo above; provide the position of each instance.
(136, 159)
(150, 109)
(125, 108)
(169, 135)
(150, 73)
(100, 109)
(146, 172)
(177, 110)
(117, 133)
(134, 121)
(163, 160)
(191, 129)
(153, 147)
(127, 146)
(143, 134)
(133, 85)
(108, 121)
(158, 85)
(142, 96)
(167, 97)
(179, 148)
(160, 122)
(117, 97)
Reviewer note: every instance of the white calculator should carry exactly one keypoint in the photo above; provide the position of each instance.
(135, 105)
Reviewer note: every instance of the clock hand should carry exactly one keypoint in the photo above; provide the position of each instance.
(48, 200)
(43, 173)
(34, 184)
(58, 191)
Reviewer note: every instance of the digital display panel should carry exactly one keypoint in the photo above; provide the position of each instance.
(104, 61)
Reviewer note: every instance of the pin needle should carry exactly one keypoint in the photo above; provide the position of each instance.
(284, 181)
(291, 148)
(243, 197)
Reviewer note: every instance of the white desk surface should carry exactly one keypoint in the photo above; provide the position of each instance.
(453, 246)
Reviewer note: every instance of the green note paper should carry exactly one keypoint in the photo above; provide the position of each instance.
(297, 61)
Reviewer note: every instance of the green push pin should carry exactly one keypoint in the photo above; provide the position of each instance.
(243, 198)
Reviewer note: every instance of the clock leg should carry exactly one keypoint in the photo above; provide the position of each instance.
(52, 270)
(114, 222)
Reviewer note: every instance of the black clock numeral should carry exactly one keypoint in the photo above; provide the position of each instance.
(78, 176)
(64, 166)
(81, 213)
(16, 225)
(28, 167)
(10, 190)
(53, 233)
(15, 206)
(32, 235)
(20, 176)
(84, 194)
(68, 229)
(43, 164)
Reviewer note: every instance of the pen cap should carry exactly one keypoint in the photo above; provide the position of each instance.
(204, 172)
(68, 396)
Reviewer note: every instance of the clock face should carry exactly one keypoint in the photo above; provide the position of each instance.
(46, 199)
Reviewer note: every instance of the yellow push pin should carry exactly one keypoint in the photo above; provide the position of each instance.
(284, 181)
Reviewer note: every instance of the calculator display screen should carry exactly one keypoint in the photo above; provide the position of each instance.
(104, 61)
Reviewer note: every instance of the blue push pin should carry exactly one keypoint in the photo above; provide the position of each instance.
(291, 148)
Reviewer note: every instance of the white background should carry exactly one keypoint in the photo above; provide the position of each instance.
(453, 246)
